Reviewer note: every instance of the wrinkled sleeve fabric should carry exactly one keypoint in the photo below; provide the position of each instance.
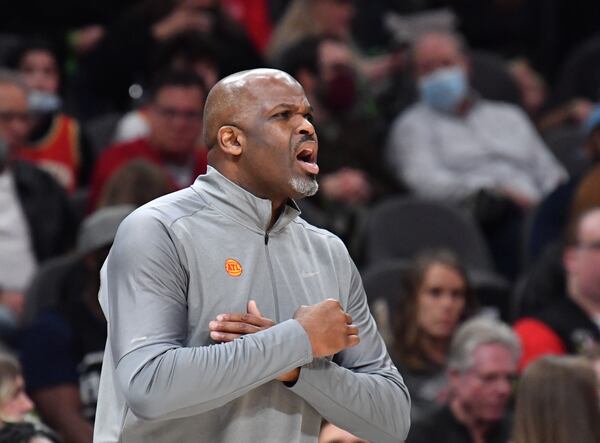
(159, 376)
(359, 390)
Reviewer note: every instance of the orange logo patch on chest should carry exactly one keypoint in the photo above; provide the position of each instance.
(233, 267)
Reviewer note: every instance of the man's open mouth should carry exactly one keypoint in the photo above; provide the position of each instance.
(307, 157)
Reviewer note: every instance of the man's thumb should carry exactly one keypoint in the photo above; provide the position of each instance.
(253, 309)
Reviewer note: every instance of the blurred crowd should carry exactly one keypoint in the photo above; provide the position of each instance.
(459, 150)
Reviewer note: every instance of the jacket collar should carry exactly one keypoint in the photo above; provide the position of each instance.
(240, 205)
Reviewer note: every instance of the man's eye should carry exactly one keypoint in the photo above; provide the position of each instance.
(284, 114)
(435, 292)
(309, 117)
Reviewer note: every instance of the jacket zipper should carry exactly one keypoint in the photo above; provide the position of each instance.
(270, 265)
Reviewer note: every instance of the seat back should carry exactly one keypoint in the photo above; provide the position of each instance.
(401, 227)
(384, 284)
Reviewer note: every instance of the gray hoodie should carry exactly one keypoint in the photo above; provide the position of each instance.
(181, 260)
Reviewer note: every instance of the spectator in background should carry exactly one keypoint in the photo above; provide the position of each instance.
(557, 402)
(579, 74)
(26, 433)
(14, 402)
(136, 183)
(350, 132)
(62, 350)
(437, 299)
(531, 85)
(570, 198)
(36, 222)
(569, 325)
(191, 51)
(55, 143)
(309, 18)
(545, 281)
(332, 434)
(254, 16)
(481, 366)
(175, 116)
(534, 99)
(457, 147)
(125, 56)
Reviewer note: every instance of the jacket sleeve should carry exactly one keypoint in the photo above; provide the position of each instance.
(144, 294)
(360, 390)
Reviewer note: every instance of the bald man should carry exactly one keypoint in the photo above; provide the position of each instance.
(230, 319)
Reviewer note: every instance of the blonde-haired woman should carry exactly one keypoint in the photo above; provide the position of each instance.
(14, 402)
(557, 402)
(437, 299)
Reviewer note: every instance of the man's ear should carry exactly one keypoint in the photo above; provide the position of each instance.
(231, 140)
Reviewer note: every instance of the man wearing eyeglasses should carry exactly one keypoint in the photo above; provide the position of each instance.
(482, 365)
(175, 119)
(572, 324)
(35, 219)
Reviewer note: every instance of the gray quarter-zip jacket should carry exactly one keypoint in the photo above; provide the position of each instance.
(184, 258)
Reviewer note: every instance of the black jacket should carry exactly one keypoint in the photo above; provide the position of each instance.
(442, 427)
(47, 209)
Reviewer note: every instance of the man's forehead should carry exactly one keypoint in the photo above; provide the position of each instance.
(280, 94)
(493, 356)
(436, 46)
(270, 92)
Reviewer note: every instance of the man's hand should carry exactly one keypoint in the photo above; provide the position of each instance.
(228, 327)
(329, 328)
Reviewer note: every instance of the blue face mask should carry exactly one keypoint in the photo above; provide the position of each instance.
(444, 89)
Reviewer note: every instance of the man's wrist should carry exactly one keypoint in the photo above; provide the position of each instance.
(290, 378)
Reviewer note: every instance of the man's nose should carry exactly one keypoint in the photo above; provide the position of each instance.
(26, 403)
(504, 386)
(306, 127)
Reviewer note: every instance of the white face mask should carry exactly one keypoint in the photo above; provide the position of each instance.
(44, 102)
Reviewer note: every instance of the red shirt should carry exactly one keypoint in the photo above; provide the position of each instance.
(116, 156)
(58, 152)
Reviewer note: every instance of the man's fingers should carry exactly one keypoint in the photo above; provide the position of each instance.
(223, 336)
(233, 326)
(353, 340)
(246, 318)
(253, 308)
(352, 330)
(348, 319)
